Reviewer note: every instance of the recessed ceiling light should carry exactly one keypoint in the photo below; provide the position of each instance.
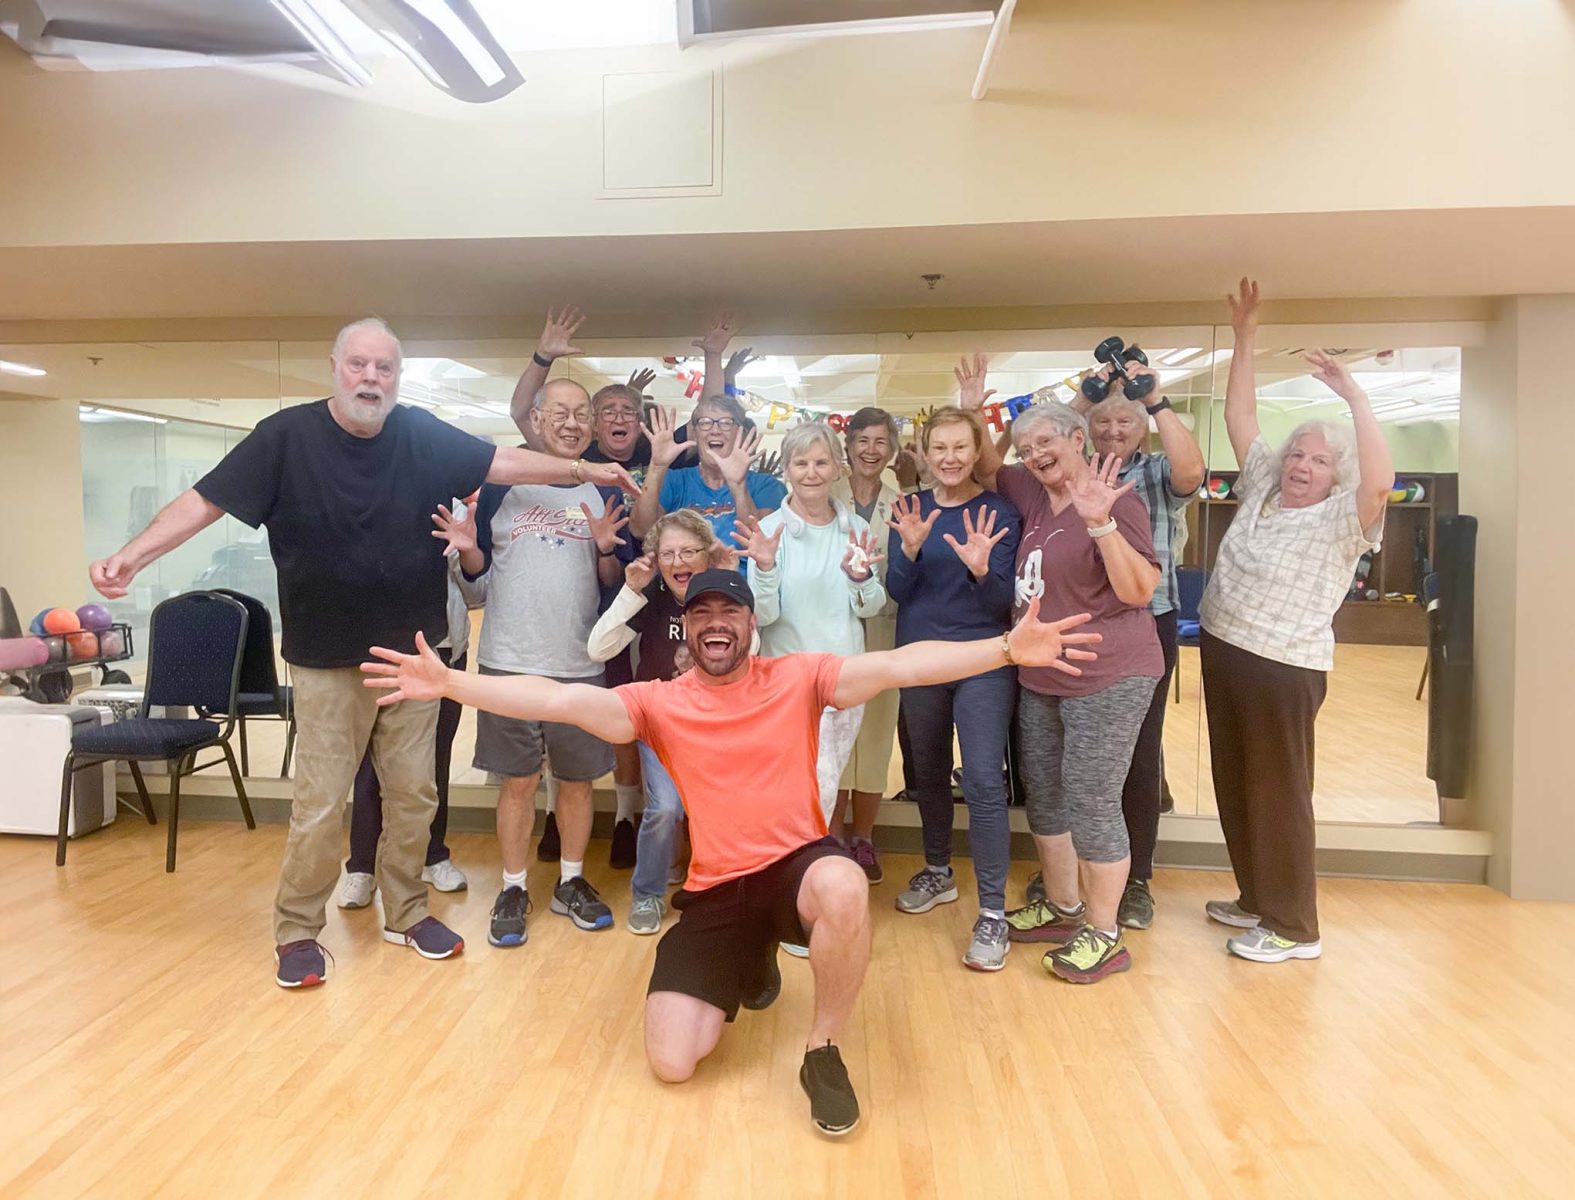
(16, 368)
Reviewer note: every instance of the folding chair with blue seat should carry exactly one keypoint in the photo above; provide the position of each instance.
(195, 645)
(261, 696)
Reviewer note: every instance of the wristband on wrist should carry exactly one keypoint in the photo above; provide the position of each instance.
(1154, 410)
(729, 390)
(1099, 531)
(544, 363)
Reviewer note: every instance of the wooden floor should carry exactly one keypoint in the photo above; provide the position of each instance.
(144, 1050)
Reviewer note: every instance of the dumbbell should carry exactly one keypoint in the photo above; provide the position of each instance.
(1114, 353)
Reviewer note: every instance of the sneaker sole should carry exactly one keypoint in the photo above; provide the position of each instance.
(399, 939)
(946, 897)
(1115, 966)
(309, 981)
(829, 1130)
(1136, 922)
(1313, 951)
(878, 876)
(425, 878)
(351, 906)
(580, 922)
(1041, 936)
(632, 928)
(1232, 922)
(507, 941)
(977, 965)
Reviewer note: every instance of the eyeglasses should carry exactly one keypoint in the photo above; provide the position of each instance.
(559, 419)
(722, 423)
(685, 556)
(619, 416)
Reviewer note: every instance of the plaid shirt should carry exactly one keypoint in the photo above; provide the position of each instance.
(1152, 472)
(1282, 572)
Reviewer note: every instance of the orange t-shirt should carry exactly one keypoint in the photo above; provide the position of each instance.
(743, 757)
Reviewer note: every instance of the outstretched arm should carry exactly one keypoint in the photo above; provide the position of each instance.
(972, 396)
(422, 676)
(1374, 462)
(187, 514)
(1241, 386)
(556, 341)
(513, 465)
(1032, 642)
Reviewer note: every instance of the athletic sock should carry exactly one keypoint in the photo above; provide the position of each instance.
(1112, 934)
(628, 800)
(570, 870)
(993, 912)
(514, 880)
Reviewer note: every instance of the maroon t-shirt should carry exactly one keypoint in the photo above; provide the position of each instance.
(1058, 562)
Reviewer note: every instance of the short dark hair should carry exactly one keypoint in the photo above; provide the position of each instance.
(867, 417)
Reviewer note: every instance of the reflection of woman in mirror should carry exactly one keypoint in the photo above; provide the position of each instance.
(1086, 547)
(949, 568)
(1307, 512)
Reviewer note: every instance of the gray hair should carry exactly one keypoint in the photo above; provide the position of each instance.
(375, 323)
(1063, 420)
(802, 437)
(1116, 401)
(540, 398)
(1341, 442)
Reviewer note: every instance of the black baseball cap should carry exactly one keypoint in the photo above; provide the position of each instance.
(728, 583)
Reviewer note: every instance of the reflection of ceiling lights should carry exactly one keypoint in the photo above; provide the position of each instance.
(16, 368)
(440, 368)
(448, 42)
(87, 412)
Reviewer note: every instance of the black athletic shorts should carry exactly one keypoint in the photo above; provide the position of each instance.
(726, 936)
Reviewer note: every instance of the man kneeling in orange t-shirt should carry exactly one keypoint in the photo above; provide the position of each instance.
(763, 870)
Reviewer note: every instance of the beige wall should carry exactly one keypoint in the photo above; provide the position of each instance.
(1216, 106)
(41, 556)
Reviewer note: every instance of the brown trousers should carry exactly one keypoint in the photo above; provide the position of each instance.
(336, 718)
(1261, 716)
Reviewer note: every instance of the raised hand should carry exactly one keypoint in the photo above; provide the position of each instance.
(734, 463)
(1095, 493)
(911, 527)
(661, 430)
(638, 574)
(760, 546)
(1244, 307)
(768, 463)
(458, 533)
(863, 552)
(981, 539)
(557, 335)
(722, 558)
(736, 362)
(609, 475)
(605, 528)
(418, 676)
(1037, 643)
(1332, 373)
(641, 379)
(111, 576)
(718, 336)
(970, 383)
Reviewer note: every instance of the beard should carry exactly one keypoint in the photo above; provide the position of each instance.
(724, 665)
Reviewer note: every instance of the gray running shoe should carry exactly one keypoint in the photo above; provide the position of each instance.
(645, 915)
(931, 886)
(987, 951)
(1137, 905)
(1230, 912)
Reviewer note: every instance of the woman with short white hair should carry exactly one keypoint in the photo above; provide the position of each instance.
(1305, 514)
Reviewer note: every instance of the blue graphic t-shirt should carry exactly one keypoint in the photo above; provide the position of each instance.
(684, 488)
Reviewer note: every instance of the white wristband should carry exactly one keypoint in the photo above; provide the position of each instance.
(1099, 531)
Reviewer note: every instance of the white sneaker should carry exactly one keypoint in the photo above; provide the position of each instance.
(1260, 945)
(445, 876)
(795, 949)
(357, 890)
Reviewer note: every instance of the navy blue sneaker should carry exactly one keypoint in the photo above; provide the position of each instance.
(508, 918)
(429, 938)
(300, 964)
(579, 901)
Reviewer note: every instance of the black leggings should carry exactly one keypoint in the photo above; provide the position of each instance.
(1145, 786)
(366, 809)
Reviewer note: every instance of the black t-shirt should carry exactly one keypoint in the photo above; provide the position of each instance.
(635, 464)
(350, 524)
(663, 652)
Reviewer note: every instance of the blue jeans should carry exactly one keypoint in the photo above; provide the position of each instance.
(981, 708)
(653, 854)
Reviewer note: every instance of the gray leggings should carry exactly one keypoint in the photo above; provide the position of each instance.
(1074, 753)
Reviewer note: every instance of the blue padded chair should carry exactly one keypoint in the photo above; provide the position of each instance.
(261, 697)
(195, 645)
(1190, 582)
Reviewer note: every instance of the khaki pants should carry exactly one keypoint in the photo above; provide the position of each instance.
(335, 718)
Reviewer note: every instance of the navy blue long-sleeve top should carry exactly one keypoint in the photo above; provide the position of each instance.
(937, 597)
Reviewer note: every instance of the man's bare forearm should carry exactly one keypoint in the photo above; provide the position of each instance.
(189, 513)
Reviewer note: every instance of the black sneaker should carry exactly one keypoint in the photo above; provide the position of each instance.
(771, 985)
(623, 842)
(428, 937)
(1036, 888)
(579, 901)
(549, 849)
(300, 964)
(1137, 905)
(832, 1105)
(508, 918)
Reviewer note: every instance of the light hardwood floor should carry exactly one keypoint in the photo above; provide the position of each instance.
(145, 1051)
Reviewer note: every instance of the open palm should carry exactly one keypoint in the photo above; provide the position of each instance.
(911, 526)
(418, 676)
(1097, 491)
(980, 537)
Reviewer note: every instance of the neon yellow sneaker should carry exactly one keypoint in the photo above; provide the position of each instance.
(1088, 957)
(1042, 921)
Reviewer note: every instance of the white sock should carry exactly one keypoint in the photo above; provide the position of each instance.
(1112, 934)
(992, 912)
(628, 800)
(552, 792)
(570, 870)
(514, 880)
